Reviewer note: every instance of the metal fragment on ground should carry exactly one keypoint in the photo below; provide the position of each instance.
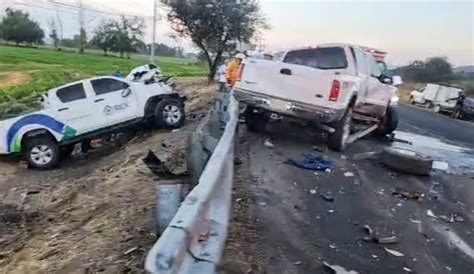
(430, 213)
(336, 269)
(394, 252)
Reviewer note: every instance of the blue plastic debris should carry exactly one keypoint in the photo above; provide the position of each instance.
(312, 162)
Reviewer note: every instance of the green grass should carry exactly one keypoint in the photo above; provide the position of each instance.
(47, 68)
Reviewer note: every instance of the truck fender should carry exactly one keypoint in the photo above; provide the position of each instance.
(34, 124)
(152, 101)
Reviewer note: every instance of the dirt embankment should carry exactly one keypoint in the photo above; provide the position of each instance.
(95, 213)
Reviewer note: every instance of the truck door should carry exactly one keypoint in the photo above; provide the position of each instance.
(115, 100)
(363, 72)
(378, 93)
(73, 108)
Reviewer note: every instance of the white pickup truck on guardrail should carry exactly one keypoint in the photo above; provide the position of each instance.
(87, 109)
(328, 85)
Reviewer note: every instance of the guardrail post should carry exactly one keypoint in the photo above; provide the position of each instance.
(168, 198)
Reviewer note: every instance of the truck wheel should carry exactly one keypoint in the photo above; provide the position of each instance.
(169, 113)
(337, 141)
(407, 161)
(42, 152)
(411, 100)
(389, 123)
(255, 122)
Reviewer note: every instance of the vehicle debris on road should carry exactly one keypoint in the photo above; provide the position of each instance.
(312, 162)
(327, 197)
(374, 238)
(268, 143)
(348, 174)
(336, 269)
(394, 252)
(407, 195)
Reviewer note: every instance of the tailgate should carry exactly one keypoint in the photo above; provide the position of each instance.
(289, 82)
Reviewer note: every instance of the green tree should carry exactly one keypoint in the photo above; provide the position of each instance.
(127, 35)
(216, 26)
(18, 27)
(104, 36)
(54, 33)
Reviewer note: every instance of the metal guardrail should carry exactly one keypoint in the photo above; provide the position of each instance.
(194, 240)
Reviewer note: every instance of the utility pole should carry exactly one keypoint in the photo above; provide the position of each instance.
(60, 28)
(82, 31)
(152, 53)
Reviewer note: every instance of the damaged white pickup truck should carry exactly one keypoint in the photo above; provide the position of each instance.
(329, 86)
(87, 109)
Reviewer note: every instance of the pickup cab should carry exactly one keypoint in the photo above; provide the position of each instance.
(326, 85)
(436, 97)
(86, 109)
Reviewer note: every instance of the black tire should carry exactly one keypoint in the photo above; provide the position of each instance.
(389, 123)
(46, 145)
(407, 161)
(411, 100)
(337, 141)
(255, 122)
(173, 107)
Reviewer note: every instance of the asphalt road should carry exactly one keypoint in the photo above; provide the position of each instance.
(296, 229)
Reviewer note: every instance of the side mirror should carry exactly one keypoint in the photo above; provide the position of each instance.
(397, 80)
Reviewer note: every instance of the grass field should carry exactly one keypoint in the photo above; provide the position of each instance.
(26, 72)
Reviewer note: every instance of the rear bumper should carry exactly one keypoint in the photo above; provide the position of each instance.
(287, 107)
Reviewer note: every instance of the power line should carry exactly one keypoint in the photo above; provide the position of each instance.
(52, 2)
(40, 7)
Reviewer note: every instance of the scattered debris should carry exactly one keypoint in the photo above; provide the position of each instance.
(343, 157)
(388, 240)
(430, 213)
(238, 200)
(452, 218)
(331, 211)
(336, 269)
(313, 191)
(262, 203)
(268, 143)
(328, 170)
(394, 252)
(414, 221)
(297, 263)
(380, 240)
(348, 174)
(130, 250)
(448, 268)
(166, 147)
(332, 246)
(374, 256)
(440, 165)
(367, 155)
(175, 130)
(407, 195)
(327, 197)
(312, 162)
(407, 269)
(320, 149)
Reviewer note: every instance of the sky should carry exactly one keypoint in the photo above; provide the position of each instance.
(407, 30)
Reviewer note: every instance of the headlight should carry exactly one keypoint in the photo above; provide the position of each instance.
(395, 99)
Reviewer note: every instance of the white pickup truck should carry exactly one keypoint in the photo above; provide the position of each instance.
(436, 97)
(327, 85)
(86, 109)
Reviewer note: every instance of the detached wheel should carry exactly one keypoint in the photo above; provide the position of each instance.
(42, 152)
(255, 122)
(389, 123)
(169, 113)
(407, 161)
(337, 141)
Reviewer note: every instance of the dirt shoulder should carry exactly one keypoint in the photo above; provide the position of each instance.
(94, 213)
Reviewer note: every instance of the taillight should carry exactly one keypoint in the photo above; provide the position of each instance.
(335, 89)
(241, 70)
